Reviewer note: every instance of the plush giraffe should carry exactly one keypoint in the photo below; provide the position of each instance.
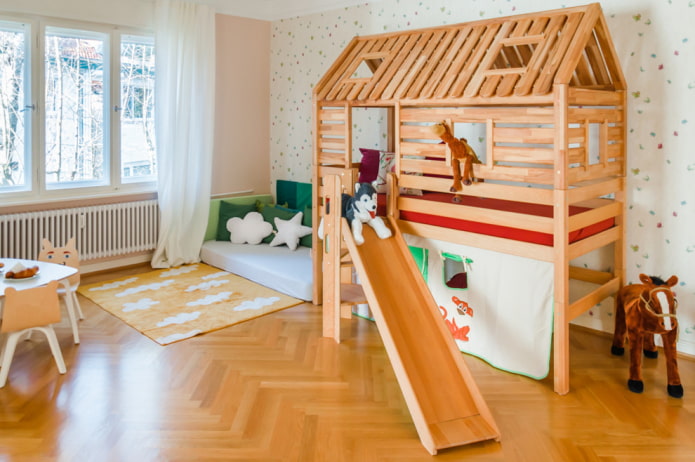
(461, 151)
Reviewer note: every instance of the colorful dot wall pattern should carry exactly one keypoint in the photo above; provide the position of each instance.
(655, 42)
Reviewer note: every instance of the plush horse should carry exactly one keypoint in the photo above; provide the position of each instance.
(461, 151)
(641, 311)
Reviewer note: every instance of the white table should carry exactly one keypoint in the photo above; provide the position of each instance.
(47, 272)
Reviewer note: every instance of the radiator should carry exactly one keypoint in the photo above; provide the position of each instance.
(100, 231)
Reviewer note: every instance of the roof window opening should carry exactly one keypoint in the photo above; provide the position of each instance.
(512, 57)
(367, 68)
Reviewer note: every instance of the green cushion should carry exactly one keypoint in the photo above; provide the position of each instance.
(286, 192)
(230, 210)
(303, 196)
(269, 213)
(214, 213)
(306, 221)
(297, 195)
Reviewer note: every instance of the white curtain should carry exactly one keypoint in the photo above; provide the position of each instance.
(185, 86)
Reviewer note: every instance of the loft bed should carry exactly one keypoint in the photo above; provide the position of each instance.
(550, 93)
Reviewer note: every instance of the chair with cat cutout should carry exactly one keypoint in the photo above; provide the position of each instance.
(69, 256)
(25, 311)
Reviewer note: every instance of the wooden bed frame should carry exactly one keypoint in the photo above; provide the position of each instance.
(550, 92)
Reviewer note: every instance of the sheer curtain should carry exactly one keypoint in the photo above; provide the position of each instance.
(185, 84)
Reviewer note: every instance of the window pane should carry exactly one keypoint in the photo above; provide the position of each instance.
(138, 154)
(14, 111)
(75, 106)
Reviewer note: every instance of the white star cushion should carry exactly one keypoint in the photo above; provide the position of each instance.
(251, 229)
(290, 231)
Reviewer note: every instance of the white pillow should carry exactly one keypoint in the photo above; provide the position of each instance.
(252, 229)
(290, 231)
(387, 163)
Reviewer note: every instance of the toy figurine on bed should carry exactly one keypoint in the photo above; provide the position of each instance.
(641, 311)
(461, 151)
(359, 209)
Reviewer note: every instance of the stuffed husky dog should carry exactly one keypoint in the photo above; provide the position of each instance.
(359, 209)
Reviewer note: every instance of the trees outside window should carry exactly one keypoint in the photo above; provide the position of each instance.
(76, 71)
(14, 110)
(138, 153)
(96, 110)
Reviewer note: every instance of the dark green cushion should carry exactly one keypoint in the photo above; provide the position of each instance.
(269, 213)
(297, 195)
(286, 192)
(303, 195)
(306, 221)
(227, 211)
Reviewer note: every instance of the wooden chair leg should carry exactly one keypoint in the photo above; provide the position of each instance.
(77, 303)
(8, 353)
(55, 348)
(70, 299)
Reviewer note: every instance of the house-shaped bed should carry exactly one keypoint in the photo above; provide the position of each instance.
(550, 93)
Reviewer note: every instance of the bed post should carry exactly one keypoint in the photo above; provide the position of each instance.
(330, 250)
(561, 244)
(316, 199)
(619, 246)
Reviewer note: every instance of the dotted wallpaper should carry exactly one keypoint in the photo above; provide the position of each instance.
(655, 42)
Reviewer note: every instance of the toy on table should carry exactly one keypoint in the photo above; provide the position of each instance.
(359, 209)
(642, 311)
(461, 151)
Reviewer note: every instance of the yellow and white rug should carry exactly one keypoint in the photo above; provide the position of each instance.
(174, 304)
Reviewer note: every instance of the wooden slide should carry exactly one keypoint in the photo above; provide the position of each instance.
(444, 401)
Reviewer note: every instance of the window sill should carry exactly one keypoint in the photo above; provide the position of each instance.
(63, 203)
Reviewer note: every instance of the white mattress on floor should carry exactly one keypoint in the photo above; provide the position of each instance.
(279, 268)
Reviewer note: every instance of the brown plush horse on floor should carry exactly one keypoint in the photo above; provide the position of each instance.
(461, 151)
(641, 311)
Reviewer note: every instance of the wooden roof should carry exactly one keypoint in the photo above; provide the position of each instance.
(520, 56)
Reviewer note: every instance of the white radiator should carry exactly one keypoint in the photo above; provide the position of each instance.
(100, 231)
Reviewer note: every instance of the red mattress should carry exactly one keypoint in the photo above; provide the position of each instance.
(518, 234)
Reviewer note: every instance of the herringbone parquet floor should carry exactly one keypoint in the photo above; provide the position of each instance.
(273, 390)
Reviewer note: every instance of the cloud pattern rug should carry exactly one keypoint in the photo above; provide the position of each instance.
(174, 304)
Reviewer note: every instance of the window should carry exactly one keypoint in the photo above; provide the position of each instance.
(138, 154)
(15, 113)
(455, 270)
(76, 71)
(95, 110)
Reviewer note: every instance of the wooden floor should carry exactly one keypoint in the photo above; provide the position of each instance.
(273, 390)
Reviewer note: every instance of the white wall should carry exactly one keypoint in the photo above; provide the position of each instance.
(242, 105)
(136, 13)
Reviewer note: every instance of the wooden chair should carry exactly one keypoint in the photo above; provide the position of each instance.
(25, 311)
(69, 256)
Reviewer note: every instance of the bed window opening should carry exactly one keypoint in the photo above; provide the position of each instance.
(475, 134)
(455, 270)
(594, 143)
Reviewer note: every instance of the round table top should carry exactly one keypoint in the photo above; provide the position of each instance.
(47, 272)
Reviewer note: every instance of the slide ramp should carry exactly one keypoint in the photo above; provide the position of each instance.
(442, 397)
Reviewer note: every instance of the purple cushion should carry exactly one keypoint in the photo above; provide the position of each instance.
(369, 166)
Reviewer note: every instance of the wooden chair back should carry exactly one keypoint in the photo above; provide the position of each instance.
(67, 255)
(28, 308)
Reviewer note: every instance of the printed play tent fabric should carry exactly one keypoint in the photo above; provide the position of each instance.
(505, 315)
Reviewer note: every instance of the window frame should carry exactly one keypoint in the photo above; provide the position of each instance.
(17, 25)
(37, 189)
